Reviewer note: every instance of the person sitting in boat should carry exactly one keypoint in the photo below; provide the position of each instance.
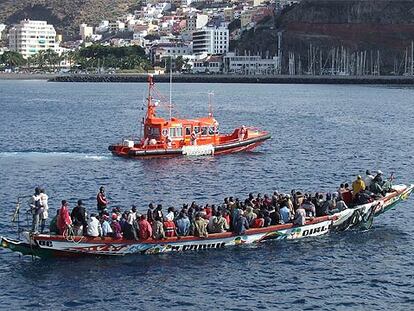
(300, 216)
(158, 229)
(183, 224)
(358, 185)
(368, 179)
(101, 200)
(64, 222)
(78, 217)
(340, 205)
(145, 229)
(94, 228)
(259, 221)
(308, 206)
(170, 214)
(285, 214)
(250, 215)
(116, 227)
(170, 228)
(379, 186)
(200, 226)
(241, 224)
(106, 227)
(217, 223)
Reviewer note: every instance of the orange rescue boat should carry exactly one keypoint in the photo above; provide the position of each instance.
(176, 137)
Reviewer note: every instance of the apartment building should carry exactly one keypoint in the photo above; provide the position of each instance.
(211, 41)
(29, 37)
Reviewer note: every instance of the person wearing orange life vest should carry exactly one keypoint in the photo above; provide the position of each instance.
(169, 228)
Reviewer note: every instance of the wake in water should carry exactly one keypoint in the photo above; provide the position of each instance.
(55, 154)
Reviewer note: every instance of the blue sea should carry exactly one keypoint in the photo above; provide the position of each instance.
(56, 136)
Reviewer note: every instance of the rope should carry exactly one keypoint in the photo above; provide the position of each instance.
(69, 235)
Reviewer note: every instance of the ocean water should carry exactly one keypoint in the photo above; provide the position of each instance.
(56, 136)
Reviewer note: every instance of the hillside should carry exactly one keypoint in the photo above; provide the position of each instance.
(384, 26)
(65, 15)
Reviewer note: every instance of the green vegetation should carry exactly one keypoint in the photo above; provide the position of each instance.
(12, 60)
(124, 58)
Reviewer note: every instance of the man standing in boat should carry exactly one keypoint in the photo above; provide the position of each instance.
(101, 200)
(193, 138)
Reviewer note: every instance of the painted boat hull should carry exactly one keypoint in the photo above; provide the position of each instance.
(226, 148)
(56, 246)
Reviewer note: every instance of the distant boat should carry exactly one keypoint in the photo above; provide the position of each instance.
(176, 137)
(43, 245)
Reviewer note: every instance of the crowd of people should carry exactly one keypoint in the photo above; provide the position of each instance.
(232, 215)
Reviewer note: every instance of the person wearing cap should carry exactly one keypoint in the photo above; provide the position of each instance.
(377, 184)
(357, 186)
(368, 179)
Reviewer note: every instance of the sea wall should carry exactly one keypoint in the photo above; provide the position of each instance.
(282, 79)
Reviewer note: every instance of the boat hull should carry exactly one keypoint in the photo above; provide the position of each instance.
(56, 246)
(220, 149)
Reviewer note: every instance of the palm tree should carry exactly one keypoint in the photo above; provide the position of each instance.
(12, 59)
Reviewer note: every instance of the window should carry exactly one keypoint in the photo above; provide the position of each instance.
(197, 129)
(211, 130)
(154, 131)
(172, 132)
(187, 130)
(204, 130)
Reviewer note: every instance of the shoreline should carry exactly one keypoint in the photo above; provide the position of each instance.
(193, 78)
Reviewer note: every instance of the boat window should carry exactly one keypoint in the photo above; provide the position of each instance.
(204, 130)
(216, 129)
(153, 131)
(179, 132)
(176, 132)
(211, 130)
(196, 129)
(187, 130)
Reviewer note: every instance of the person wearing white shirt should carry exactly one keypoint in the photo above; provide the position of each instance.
(368, 179)
(94, 227)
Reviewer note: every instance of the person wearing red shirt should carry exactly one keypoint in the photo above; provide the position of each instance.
(64, 220)
(145, 229)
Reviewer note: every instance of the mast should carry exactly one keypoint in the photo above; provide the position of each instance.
(170, 106)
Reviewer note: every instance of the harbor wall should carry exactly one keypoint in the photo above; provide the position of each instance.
(280, 79)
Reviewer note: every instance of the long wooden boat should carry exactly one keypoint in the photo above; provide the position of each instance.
(174, 137)
(43, 245)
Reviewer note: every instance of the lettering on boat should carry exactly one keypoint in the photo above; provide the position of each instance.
(45, 243)
(316, 230)
(193, 247)
(198, 150)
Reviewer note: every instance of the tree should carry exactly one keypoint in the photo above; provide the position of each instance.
(179, 63)
(12, 59)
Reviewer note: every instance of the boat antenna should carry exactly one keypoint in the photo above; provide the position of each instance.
(16, 216)
(210, 106)
(170, 106)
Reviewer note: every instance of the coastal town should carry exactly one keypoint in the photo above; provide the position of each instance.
(182, 36)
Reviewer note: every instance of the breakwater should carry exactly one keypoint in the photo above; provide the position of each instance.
(286, 79)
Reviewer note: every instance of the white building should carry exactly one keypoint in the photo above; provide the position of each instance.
(162, 51)
(103, 27)
(211, 41)
(30, 37)
(209, 64)
(85, 31)
(250, 65)
(116, 26)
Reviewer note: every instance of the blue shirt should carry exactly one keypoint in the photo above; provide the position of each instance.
(106, 228)
(284, 214)
(183, 226)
